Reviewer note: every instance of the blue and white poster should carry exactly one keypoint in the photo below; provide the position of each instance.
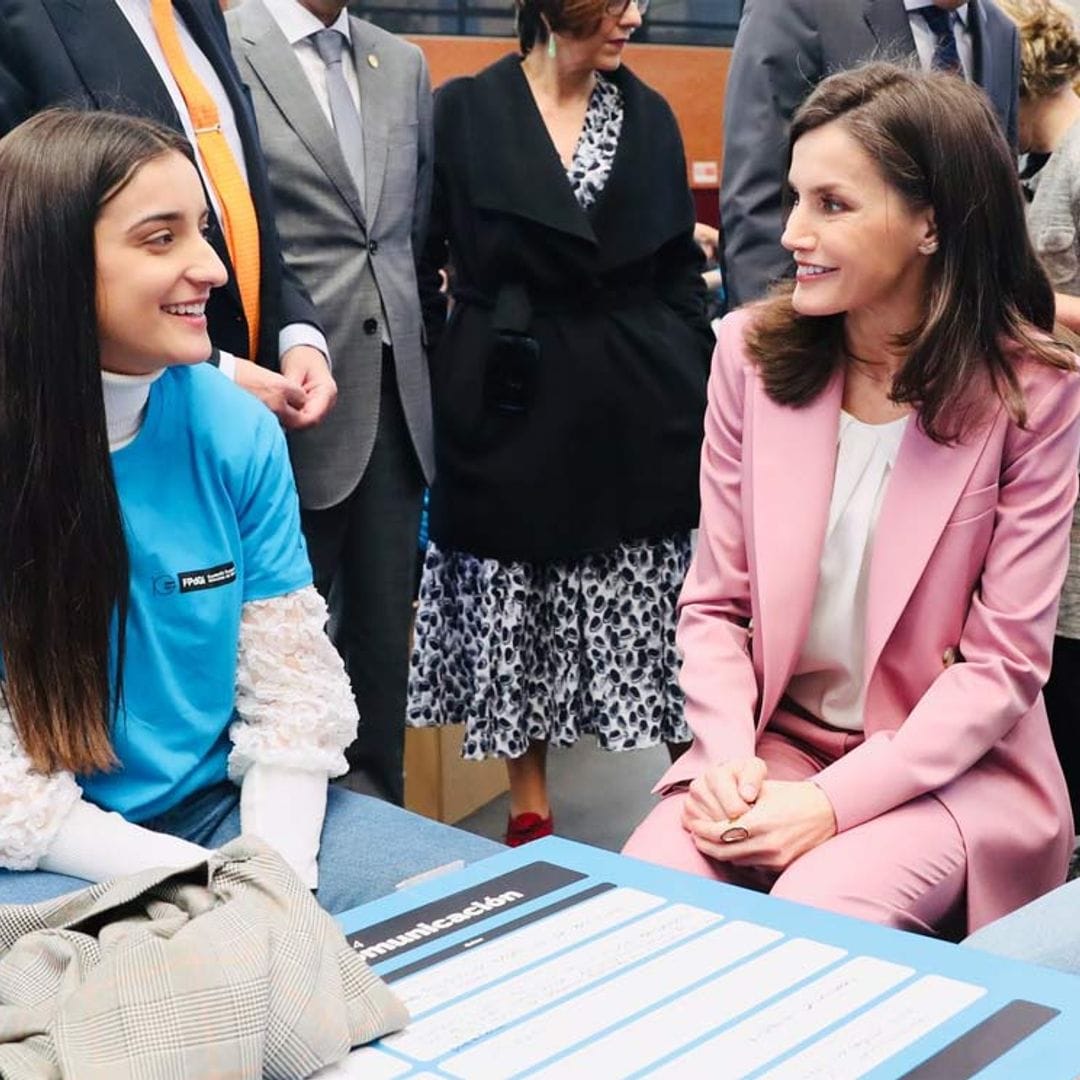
(561, 961)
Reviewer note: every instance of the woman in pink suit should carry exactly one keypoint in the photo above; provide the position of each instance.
(887, 484)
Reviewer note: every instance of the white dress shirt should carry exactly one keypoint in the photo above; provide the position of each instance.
(137, 13)
(829, 680)
(298, 24)
(925, 42)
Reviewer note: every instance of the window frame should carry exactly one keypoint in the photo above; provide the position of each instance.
(657, 28)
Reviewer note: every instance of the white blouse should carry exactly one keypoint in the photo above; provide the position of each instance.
(829, 681)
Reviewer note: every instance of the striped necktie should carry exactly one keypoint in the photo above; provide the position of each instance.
(239, 222)
(946, 54)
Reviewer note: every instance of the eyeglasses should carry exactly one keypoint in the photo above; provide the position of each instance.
(618, 7)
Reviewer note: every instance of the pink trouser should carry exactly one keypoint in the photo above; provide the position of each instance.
(905, 869)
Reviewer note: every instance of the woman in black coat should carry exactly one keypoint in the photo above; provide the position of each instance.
(569, 390)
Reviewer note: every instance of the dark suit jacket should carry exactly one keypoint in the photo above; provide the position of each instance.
(85, 54)
(784, 48)
(607, 449)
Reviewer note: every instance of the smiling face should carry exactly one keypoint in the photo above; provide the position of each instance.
(859, 248)
(155, 269)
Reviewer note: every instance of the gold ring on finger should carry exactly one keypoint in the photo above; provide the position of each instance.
(735, 835)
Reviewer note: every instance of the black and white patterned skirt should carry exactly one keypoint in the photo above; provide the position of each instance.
(550, 651)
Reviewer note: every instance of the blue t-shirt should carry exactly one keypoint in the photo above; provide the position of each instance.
(212, 521)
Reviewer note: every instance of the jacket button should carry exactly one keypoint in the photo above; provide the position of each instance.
(373, 246)
(950, 656)
(371, 326)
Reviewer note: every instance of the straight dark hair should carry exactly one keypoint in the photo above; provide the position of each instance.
(63, 558)
(938, 144)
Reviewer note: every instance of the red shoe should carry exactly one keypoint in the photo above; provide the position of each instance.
(527, 827)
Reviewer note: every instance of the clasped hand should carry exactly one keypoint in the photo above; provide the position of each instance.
(783, 819)
(301, 395)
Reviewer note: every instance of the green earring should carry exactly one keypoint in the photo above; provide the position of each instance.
(552, 48)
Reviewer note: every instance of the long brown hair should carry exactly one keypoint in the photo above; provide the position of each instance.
(938, 144)
(63, 559)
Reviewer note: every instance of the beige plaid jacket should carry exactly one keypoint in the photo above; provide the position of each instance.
(226, 970)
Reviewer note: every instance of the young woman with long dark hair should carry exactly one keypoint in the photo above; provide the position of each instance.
(166, 676)
(888, 478)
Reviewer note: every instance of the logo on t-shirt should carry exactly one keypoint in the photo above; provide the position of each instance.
(164, 585)
(212, 577)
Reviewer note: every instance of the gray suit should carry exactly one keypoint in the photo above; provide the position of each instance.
(783, 49)
(361, 472)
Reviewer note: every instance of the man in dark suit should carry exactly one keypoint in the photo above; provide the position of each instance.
(786, 47)
(108, 55)
(344, 112)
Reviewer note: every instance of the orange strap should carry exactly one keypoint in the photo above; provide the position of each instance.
(239, 222)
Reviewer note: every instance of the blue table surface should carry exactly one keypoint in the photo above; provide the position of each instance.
(1052, 1051)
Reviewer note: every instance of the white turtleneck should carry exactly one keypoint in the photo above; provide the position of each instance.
(125, 404)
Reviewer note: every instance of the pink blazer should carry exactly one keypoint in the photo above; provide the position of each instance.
(969, 557)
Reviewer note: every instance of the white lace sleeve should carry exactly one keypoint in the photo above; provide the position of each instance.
(292, 694)
(33, 806)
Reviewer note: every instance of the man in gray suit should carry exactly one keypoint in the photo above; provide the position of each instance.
(783, 49)
(344, 115)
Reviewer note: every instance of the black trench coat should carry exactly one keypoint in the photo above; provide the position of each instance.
(607, 449)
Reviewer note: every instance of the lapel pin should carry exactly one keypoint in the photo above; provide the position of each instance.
(373, 60)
